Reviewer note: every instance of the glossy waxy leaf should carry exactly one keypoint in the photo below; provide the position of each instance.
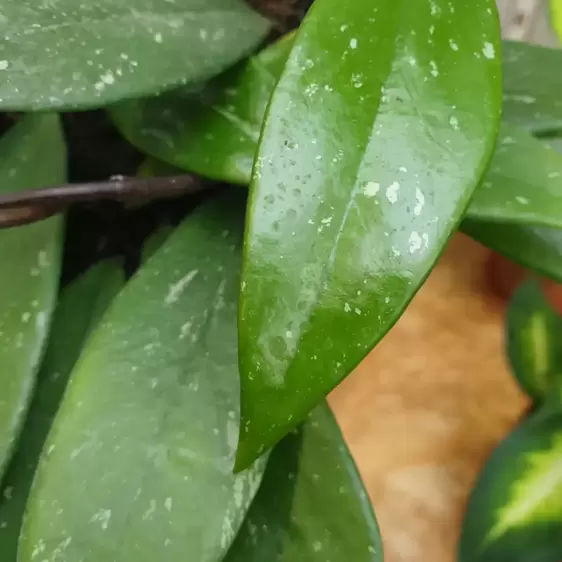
(515, 511)
(538, 249)
(532, 83)
(80, 306)
(312, 506)
(32, 154)
(138, 464)
(68, 54)
(355, 191)
(213, 132)
(533, 342)
(523, 184)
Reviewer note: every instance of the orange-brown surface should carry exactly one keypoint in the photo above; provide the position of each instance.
(422, 412)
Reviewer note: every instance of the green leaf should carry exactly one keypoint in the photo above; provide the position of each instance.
(311, 506)
(213, 132)
(32, 154)
(80, 306)
(515, 511)
(356, 188)
(523, 183)
(538, 249)
(532, 83)
(138, 464)
(68, 54)
(533, 346)
(535, 248)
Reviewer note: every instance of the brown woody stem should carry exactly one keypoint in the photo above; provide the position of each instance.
(37, 204)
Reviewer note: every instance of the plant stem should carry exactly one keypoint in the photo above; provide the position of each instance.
(37, 204)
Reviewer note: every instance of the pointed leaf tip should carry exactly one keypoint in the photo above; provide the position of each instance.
(311, 504)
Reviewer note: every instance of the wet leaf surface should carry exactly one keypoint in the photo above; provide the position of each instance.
(356, 189)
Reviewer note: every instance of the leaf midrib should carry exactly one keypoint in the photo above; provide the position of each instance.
(328, 266)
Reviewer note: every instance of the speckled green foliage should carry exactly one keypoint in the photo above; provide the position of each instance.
(533, 331)
(355, 191)
(514, 513)
(81, 305)
(312, 506)
(71, 54)
(138, 465)
(32, 154)
(218, 138)
(532, 83)
(214, 131)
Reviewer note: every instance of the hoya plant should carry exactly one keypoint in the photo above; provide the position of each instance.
(211, 212)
